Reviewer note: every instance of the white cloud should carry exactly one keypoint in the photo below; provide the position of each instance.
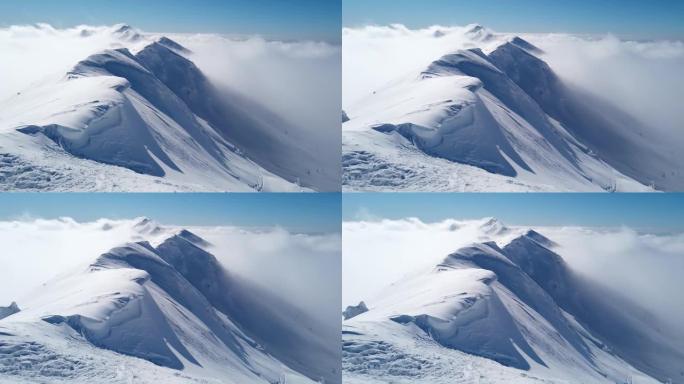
(645, 267)
(300, 81)
(378, 253)
(35, 251)
(302, 269)
(645, 79)
(374, 56)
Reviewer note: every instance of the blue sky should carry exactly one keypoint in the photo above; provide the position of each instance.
(634, 19)
(662, 212)
(278, 19)
(301, 212)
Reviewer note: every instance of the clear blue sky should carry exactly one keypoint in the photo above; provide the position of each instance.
(663, 211)
(634, 19)
(300, 212)
(278, 19)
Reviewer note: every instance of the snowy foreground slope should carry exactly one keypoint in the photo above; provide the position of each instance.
(509, 311)
(148, 121)
(167, 313)
(493, 116)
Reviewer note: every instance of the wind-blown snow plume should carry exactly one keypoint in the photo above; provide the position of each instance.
(643, 77)
(289, 77)
(647, 267)
(287, 264)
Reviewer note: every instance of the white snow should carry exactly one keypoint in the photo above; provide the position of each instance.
(474, 110)
(447, 304)
(145, 118)
(164, 310)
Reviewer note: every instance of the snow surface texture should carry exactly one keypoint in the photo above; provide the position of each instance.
(507, 309)
(164, 313)
(148, 121)
(488, 114)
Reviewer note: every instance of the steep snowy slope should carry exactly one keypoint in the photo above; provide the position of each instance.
(165, 312)
(158, 120)
(497, 121)
(511, 314)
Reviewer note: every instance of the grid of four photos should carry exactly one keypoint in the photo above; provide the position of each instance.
(341, 191)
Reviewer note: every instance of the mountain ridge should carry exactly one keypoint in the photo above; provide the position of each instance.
(519, 305)
(163, 304)
(155, 113)
(512, 117)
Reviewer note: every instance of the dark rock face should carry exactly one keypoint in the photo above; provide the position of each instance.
(8, 311)
(354, 310)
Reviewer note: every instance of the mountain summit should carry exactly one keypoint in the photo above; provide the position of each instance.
(156, 114)
(501, 120)
(174, 310)
(505, 313)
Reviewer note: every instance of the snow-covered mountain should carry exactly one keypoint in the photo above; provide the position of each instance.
(165, 313)
(149, 120)
(495, 117)
(510, 311)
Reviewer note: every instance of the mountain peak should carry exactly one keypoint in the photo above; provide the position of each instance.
(100, 63)
(459, 63)
(477, 253)
(183, 253)
(478, 32)
(540, 239)
(122, 27)
(474, 28)
(524, 44)
(126, 32)
(492, 226)
(194, 239)
(146, 226)
(531, 253)
(142, 220)
(168, 43)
